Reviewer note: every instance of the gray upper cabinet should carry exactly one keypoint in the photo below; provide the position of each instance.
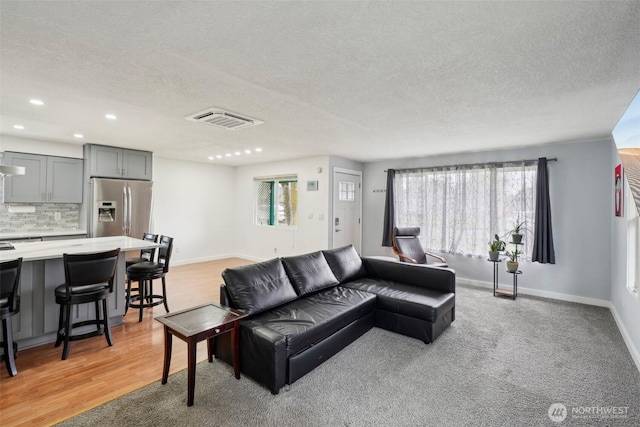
(47, 179)
(64, 180)
(113, 162)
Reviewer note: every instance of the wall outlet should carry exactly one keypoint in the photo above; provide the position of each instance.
(57, 216)
(275, 250)
(177, 249)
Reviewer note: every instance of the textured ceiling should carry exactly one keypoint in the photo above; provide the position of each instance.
(365, 80)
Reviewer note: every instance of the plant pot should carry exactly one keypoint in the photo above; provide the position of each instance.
(493, 256)
(516, 238)
(512, 266)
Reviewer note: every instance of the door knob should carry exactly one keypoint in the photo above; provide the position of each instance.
(337, 229)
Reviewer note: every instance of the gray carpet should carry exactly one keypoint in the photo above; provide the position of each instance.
(501, 363)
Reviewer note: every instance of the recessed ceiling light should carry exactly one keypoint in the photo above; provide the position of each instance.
(210, 157)
(36, 102)
(247, 151)
(78, 135)
(228, 154)
(18, 127)
(219, 156)
(237, 153)
(111, 116)
(258, 150)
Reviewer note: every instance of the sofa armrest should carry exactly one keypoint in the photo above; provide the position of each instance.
(436, 278)
(225, 299)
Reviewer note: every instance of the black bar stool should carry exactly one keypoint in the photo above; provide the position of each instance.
(144, 273)
(145, 254)
(88, 278)
(9, 305)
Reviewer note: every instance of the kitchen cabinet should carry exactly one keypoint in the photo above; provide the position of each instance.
(114, 162)
(47, 179)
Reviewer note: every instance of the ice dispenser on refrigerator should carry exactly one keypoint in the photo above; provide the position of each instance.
(106, 211)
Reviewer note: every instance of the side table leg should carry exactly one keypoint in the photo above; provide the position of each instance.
(168, 339)
(191, 367)
(210, 348)
(236, 348)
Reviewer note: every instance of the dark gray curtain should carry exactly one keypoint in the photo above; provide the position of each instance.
(387, 231)
(543, 237)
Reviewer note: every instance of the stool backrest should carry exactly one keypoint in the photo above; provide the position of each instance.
(164, 251)
(90, 269)
(9, 281)
(149, 254)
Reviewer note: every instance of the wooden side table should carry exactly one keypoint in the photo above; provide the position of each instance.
(197, 324)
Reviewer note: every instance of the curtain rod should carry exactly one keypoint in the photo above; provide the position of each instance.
(554, 159)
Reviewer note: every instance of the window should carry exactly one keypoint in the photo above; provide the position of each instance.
(633, 239)
(277, 201)
(346, 191)
(459, 209)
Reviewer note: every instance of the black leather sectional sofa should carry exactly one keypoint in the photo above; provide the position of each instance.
(304, 309)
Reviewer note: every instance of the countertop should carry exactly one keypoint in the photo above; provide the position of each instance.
(36, 250)
(30, 234)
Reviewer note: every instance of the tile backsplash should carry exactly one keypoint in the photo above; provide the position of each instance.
(43, 219)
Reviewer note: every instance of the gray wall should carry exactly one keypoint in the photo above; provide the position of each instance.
(581, 201)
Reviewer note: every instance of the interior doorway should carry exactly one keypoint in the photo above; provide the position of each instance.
(347, 208)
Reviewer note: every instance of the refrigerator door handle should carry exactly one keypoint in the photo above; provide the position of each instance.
(130, 215)
(125, 209)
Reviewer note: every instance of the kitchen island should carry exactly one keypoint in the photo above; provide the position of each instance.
(43, 270)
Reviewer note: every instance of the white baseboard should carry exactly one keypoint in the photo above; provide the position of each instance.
(635, 354)
(538, 293)
(214, 258)
(204, 259)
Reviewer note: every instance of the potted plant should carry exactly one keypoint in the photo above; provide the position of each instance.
(495, 247)
(516, 234)
(512, 263)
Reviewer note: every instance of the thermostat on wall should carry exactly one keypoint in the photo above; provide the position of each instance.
(312, 185)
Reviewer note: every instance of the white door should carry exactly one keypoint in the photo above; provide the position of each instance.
(347, 208)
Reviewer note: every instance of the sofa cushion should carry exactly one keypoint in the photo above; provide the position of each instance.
(345, 263)
(309, 320)
(309, 273)
(258, 287)
(408, 300)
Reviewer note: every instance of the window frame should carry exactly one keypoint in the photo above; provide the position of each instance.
(275, 194)
(632, 223)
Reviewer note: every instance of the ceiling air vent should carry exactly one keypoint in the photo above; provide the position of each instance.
(221, 118)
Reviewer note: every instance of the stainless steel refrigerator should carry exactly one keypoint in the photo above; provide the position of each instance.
(119, 207)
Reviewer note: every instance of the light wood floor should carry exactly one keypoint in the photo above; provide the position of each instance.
(48, 390)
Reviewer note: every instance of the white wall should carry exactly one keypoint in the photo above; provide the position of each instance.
(259, 242)
(36, 146)
(194, 203)
(625, 308)
(580, 191)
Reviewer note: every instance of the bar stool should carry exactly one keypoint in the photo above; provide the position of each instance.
(88, 278)
(145, 254)
(144, 273)
(9, 305)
